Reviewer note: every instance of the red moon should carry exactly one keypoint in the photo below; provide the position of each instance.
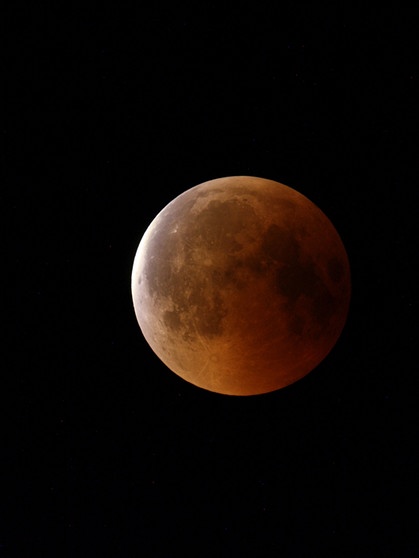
(241, 285)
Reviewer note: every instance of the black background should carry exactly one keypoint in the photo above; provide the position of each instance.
(110, 115)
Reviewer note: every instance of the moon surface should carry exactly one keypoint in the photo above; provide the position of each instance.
(241, 285)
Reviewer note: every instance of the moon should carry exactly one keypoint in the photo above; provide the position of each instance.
(241, 285)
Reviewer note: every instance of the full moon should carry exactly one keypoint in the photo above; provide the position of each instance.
(241, 285)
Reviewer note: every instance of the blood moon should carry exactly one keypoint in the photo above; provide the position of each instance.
(241, 285)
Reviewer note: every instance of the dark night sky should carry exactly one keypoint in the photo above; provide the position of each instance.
(110, 115)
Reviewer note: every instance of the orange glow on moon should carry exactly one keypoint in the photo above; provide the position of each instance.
(241, 285)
